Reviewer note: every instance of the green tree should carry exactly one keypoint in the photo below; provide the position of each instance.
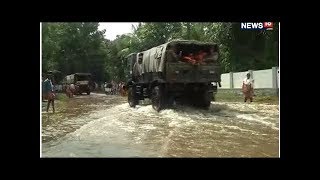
(81, 47)
(74, 47)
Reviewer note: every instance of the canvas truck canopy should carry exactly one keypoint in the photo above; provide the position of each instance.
(189, 42)
(70, 79)
(82, 76)
(130, 55)
(131, 59)
(154, 59)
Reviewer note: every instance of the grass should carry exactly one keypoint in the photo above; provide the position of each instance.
(233, 97)
(61, 97)
(60, 102)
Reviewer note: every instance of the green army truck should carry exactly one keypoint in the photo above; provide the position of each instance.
(81, 82)
(179, 69)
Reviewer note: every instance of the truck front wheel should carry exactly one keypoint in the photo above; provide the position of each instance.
(157, 98)
(132, 99)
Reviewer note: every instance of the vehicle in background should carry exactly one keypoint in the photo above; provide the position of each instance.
(81, 81)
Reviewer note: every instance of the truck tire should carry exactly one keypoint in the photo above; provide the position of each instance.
(88, 92)
(132, 99)
(157, 98)
(170, 101)
(206, 99)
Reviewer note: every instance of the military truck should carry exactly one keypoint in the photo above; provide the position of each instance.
(179, 69)
(81, 81)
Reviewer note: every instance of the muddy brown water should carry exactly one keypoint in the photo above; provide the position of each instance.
(101, 125)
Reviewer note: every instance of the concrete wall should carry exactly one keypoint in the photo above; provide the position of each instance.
(267, 80)
(238, 78)
(225, 81)
(278, 78)
(262, 79)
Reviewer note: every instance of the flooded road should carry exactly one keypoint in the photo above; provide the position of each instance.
(105, 126)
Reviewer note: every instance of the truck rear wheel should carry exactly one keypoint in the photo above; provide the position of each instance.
(203, 99)
(170, 101)
(132, 99)
(88, 92)
(206, 100)
(157, 98)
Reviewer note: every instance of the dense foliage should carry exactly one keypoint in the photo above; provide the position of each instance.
(81, 47)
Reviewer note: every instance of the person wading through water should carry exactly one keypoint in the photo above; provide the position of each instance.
(49, 93)
(247, 88)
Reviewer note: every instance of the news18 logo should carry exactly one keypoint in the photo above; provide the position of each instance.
(257, 26)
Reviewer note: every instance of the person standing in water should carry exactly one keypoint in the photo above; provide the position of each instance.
(247, 88)
(49, 93)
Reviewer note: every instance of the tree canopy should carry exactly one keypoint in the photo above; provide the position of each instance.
(81, 47)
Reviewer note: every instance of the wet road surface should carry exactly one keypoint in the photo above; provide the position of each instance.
(101, 125)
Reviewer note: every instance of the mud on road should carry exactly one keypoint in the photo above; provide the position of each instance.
(101, 125)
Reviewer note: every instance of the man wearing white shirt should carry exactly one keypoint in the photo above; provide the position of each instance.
(247, 88)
